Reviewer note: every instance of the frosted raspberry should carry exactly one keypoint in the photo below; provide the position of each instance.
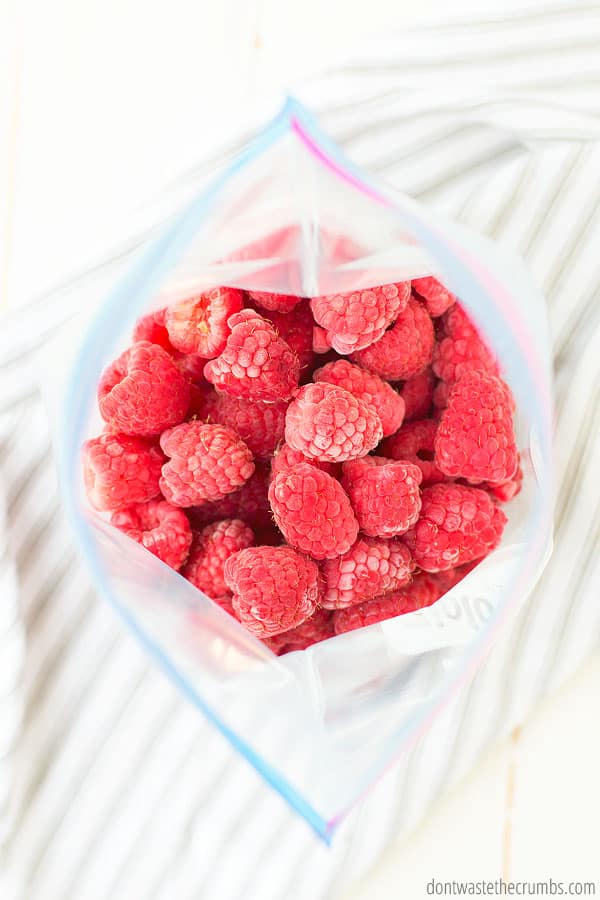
(327, 423)
(274, 588)
(475, 438)
(210, 550)
(320, 341)
(119, 470)
(436, 297)
(414, 443)
(207, 463)
(152, 328)
(286, 458)
(368, 569)
(249, 503)
(260, 425)
(420, 593)
(318, 628)
(363, 385)
(296, 329)
(405, 349)
(274, 302)
(256, 363)
(161, 528)
(384, 494)
(417, 393)
(143, 392)
(199, 324)
(313, 512)
(457, 524)
(357, 319)
(460, 349)
(504, 491)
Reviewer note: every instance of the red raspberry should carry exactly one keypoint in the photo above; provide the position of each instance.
(249, 503)
(152, 328)
(363, 385)
(457, 524)
(274, 588)
(420, 593)
(210, 550)
(414, 443)
(260, 425)
(119, 470)
(355, 320)
(505, 490)
(405, 349)
(161, 528)
(417, 393)
(274, 302)
(143, 392)
(199, 324)
(440, 395)
(384, 494)
(320, 341)
(286, 458)
(368, 569)
(436, 297)
(313, 512)
(318, 628)
(256, 363)
(296, 330)
(207, 463)
(460, 349)
(327, 423)
(475, 437)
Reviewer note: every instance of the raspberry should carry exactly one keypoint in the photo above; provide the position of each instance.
(274, 588)
(203, 403)
(384, 494)
(414, 443)
(207, 463)
(119, 470)
(296, 330)
(440, 395)
(457, 524)
(318, 628)
(363, 385)
(199, 324)
(313, 512)
(436, 297)
(327, 423)
(143, 392)
(286, 458)
(420, 593)
(249, 503)
(405, 349)
(369, 568)
(210, 550)
(152, 328)
(256, 363)
(274, 302)
(475, 437)
(504, 491)
(460, 349)
(355, 320)
(161, 528)
(417, 393)
(260, 425)
(320, 341)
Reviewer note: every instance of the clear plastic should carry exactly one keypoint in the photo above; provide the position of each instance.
(292, 215)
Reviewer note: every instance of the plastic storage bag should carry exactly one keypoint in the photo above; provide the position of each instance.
(292, 215)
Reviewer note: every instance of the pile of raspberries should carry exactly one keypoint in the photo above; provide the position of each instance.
(312, 465)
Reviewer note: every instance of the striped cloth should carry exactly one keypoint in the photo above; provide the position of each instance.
(113, 786)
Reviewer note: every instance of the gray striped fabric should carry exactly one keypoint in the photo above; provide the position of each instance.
(112, 786)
